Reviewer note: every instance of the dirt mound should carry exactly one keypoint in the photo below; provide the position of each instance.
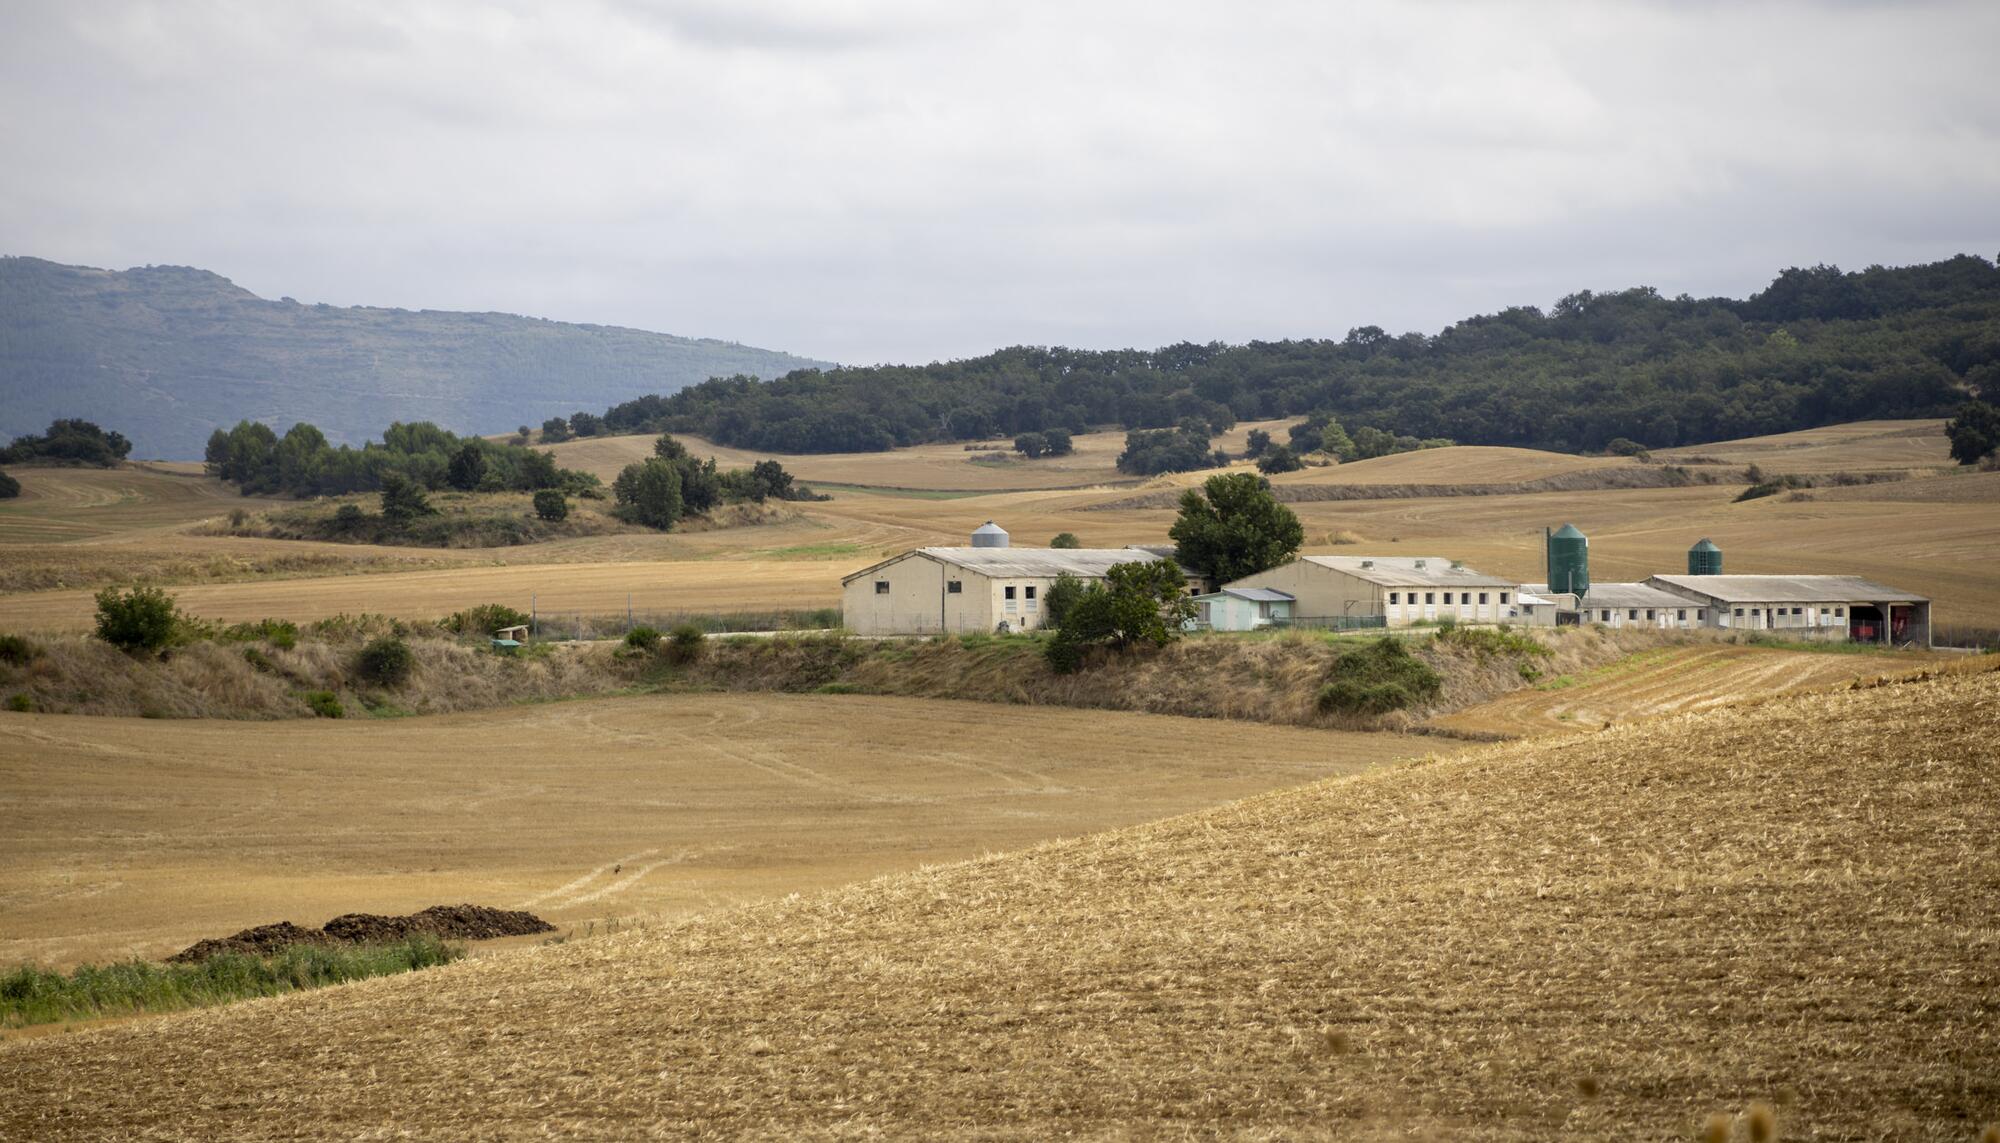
(461, 922)
(447, 922)
(264, 940)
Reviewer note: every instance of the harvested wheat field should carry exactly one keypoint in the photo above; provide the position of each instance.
(1607, 937)
(1854, 446)
(130, 836)
(1674, 679)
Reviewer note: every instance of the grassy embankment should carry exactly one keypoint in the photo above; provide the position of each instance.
(31, 995)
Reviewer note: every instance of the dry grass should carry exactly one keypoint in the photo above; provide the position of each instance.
(1617, 936)
(126, 837)
(1669, 678)
(1878, 446)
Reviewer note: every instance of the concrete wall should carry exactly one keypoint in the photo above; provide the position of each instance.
(1684, 615)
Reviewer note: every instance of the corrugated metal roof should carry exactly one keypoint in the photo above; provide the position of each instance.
(1402, 571)
(1789, 588)
(1259, 594)
(1630, 595)
(1046, 563)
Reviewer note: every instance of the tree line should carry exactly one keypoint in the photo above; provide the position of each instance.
(1817, 346)
(302, 463)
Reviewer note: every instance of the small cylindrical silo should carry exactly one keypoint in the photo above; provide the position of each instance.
(989, 535)
(1569, 561)
(1705, 558)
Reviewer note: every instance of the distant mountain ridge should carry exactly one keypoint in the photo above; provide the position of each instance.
(165, 354)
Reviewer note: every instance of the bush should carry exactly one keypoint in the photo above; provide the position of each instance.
(1065, 540)
(1376, 679)
(21, 703)
(1278, 458)
(386, 661)
(649, 493)
(142, 619)
(551, 505)
(9, 487)
(280, 633)
(687, 645)
(484, 620)
(324, 704)
(18, 652)
(643, 638)
(403, 500)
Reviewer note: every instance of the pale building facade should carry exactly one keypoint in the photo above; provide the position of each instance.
(1390, 591)
(1617, 605)
(1806, 606)
(1242, 609)
(933, 591)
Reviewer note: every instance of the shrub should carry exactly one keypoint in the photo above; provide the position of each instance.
(643, 638)
(280, 633)
(1487, 642)
(1065, 540)
(386, 661)
(1060, 597)
(20, 703)
(1376, 679)
(9, 487)
(687, 644)
(324, 704)
(18, 652)
(142, 619)
(403, 500)
(484, 619)
(649, 493)
(1278, 458)
(551, 505)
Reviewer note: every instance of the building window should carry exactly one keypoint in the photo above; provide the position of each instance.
(1503, 597)
(1840, 612)
(1031, 591)
(1606, 615)
(1631, 613)
(1447, 597)
(1430, 597)
(1395, 597)
(954, 588)
(1482, 597)
(881, 587)
(1681, 615)
(1650, 615)
(1798, 611)
(1739, 613)
(1010, 591)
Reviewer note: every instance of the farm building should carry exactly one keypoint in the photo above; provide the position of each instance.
(929, 591)
(1614, 605)
(1242, 609)
(1385, 591)
(1806, 606)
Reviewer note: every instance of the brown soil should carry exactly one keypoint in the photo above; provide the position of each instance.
(448, 922)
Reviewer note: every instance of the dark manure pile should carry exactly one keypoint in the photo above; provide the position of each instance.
(444, 922)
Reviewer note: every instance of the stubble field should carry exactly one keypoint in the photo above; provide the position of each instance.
(137, 837)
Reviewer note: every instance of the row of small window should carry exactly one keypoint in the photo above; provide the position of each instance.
(954, 587)
(1838, 612)
(1431, 597)
(1651, 613)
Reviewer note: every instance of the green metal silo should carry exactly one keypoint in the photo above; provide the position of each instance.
(1705, 558)
(1569, 560)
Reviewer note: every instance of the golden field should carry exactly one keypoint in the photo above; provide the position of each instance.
(1606, 937)
(132, 837)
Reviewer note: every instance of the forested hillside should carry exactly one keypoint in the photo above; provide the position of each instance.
(167, 354)
(1817, 347)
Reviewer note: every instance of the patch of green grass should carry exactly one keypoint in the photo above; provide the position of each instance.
(30, 995)
(824, 551)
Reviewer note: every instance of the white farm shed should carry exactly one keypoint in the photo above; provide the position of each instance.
(1386, 591)
(1619, 605)
(1806, 606)
(1242, 609)
(932, 591)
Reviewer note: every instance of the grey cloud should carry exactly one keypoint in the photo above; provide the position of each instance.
(893, 182)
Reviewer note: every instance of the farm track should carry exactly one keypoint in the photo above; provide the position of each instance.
(1611, 937)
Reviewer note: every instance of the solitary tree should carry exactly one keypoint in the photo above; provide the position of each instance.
(1232, 527)
(1065, 540)
(551, 505)
(1031, 445)
(142, 619)
(1974, 432)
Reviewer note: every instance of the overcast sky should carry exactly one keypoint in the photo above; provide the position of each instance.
(905, 181)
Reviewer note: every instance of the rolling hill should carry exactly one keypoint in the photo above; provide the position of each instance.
(1610, 936)
(165, 354)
